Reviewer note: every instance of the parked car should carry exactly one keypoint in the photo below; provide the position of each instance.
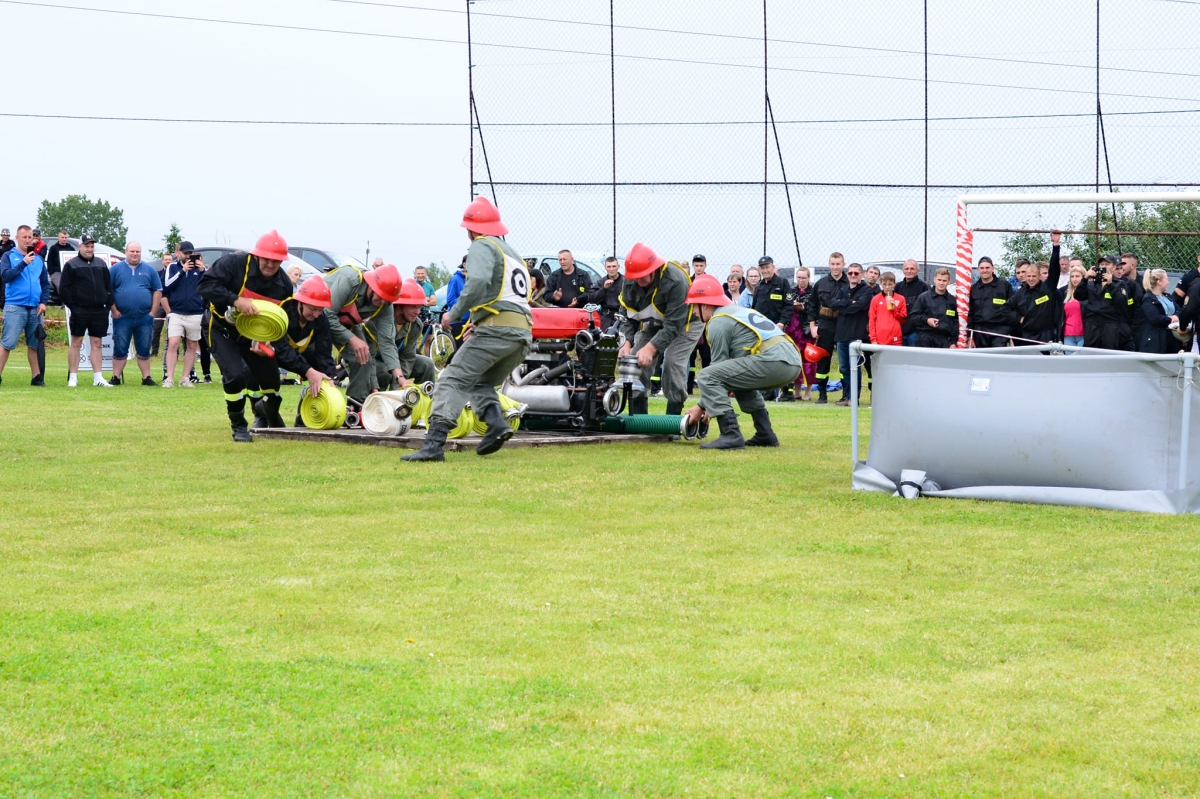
(926, 273)
(325, 260)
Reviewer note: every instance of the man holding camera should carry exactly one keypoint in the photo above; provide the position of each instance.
(27, 290)
(1105, 299)
(185, 309)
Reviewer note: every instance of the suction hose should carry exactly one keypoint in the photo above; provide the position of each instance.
(645, 424)
(326, 411)
(271, 324)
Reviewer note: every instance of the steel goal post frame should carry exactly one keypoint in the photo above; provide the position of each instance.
(965, 240)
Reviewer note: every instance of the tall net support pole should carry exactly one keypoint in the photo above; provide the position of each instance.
(962, 273)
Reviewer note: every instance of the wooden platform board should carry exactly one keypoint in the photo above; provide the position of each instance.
(415, 438)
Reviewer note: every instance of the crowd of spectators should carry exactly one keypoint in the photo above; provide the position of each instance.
(1108, 305)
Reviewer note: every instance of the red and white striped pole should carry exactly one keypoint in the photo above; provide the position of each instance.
(962, 273)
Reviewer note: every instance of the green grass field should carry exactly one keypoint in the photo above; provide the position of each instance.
(183, 617)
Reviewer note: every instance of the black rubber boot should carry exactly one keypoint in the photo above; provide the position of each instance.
(731, 434)
(763, 436)
(431, 450)
(639, 406)
(674, 408)
(821, 387)
(272, 402)
(260, 414)
(498, 431)
(237, 420)
(785, 395)
(845, 400)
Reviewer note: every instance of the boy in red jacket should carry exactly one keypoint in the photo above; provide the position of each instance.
(887, 314)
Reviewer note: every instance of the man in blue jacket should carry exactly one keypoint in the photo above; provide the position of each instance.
(27, 290)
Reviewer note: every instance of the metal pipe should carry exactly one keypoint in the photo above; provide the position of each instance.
(558, 371)
(540, 398)
(1185, 429)
(527, 378)
(1081, 198)
(855, 351)
(1117, 233)
(999, 352)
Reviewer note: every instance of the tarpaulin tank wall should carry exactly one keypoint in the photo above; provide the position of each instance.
(1094, 428)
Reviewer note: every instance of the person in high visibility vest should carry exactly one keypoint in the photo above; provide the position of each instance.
(410, 330)
(308, 334)
(360, 318)
(249, 369)
(749, 353)
(659, 325)
(496, 340)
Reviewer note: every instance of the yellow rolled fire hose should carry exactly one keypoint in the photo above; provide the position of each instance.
(270, 324)
(466, 424)
(326, 411)
(506, 405)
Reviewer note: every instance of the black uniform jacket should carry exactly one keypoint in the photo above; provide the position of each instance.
(853, 305)
(773, 299)
(944, 309)
(990, 309)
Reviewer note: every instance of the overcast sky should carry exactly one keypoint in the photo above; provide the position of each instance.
(404, 188)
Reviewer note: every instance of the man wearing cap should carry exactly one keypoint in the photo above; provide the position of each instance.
(496, 341)
(184, 250)
(185, 309)
(27, 290)
(247, 368)
(310, 347)
(1104, 297)
(749, 354)
(567, 286)
(39, 246)
(86, 291)
(410, 330)
(991, 316)
(362, 323)
(659, 324)
(772, 296)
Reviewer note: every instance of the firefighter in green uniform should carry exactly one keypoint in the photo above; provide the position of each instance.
(410, 330)
(749, 354)
(359, 319)
(658, 324)
(495, 342)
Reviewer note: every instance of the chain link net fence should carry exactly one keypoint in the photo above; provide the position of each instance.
(741, 128)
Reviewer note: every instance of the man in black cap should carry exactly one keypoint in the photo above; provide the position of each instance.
(185, 251)
(774, 299)
(86, 291)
